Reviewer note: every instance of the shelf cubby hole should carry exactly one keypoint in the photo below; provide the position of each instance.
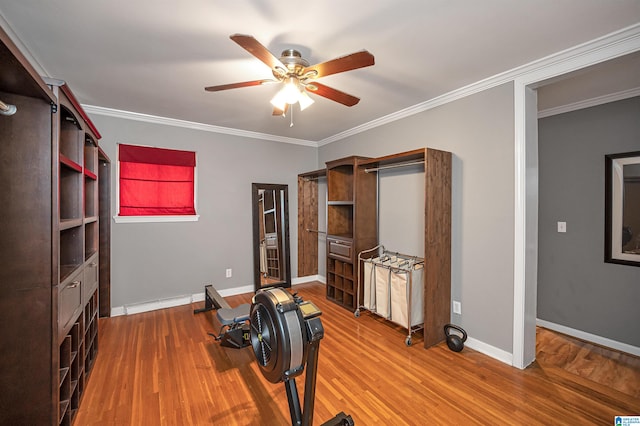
(340, 220)
(90, 239)
(90, 200)
(348, 270)
(90, 155)
(71, 254)
(70, 137)
(348, 286)
(331, 292)
(348, 300)
(331, 265)
(70, 192)
(340, 183)
(65, 419)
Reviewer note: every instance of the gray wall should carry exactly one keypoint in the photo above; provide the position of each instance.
(479, 131)
(152, 261)
(576, 288)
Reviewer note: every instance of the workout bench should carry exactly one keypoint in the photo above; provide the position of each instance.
(234, 332)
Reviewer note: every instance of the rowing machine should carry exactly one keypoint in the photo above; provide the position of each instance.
(234, 330)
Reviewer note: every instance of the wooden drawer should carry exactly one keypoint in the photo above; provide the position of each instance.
(340, 249)
(69, 302)
(90, 281)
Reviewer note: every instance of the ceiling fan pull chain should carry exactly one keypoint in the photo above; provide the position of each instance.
(291, 116)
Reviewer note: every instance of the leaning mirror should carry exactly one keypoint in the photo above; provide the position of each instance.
(271, 263)
(622, 214)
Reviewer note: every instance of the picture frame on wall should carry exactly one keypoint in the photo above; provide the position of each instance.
(622, 208)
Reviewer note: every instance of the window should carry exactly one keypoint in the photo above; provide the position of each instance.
(155, 184)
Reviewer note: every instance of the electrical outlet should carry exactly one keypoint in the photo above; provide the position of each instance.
(229, 273)
(457, 307)
(562, 226)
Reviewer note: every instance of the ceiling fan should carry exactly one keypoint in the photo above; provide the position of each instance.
(297, 76)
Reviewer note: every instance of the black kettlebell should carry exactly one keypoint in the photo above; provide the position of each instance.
(454, 341)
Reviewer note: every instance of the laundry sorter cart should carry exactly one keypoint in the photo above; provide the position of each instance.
(392, 288)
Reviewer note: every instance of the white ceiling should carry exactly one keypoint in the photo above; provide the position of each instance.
(156, 56)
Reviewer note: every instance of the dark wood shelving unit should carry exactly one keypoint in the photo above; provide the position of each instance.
(49, 250)
(79, 242)
(351, 226)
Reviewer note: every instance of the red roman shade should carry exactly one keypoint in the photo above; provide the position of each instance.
(156, 181)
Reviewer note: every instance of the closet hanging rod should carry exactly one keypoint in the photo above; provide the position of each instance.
(404, 256)
(393, 166)
(315, 230)
(7, 109)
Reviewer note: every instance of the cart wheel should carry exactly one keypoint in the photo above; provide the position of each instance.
(356, 313)
(407, 341)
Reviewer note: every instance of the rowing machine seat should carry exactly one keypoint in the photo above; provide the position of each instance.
(232, 316)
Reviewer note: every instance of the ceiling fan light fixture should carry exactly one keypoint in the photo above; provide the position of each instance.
(290, 94)
(291, 91)
(279, 100)
(297, 76)
(305, 101)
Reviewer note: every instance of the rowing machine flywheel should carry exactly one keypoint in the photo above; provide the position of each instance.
(285, 336)
(278, 335)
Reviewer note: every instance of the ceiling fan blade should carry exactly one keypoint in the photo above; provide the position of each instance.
(236, 85)
(254, 47)
(333, 94)
(277, 112)
(344, 63)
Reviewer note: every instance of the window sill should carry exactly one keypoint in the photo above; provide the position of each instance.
(156, 219)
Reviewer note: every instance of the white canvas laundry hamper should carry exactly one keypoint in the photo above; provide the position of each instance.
(407, 292)
(393, 288)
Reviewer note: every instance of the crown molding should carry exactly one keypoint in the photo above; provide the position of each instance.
(610, 46)
(601, 49)
(136, 116)
(40, 69)
(588, 103)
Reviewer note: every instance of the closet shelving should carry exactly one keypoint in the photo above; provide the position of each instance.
(78, 249)
(437, 232)
(351, 226)
(48, 250)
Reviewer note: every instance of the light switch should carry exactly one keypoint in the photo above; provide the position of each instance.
(562, 226)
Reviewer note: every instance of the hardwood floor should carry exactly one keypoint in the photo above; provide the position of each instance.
(589, 361)
(161, 368)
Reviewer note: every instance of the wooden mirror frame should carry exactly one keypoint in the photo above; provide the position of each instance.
(622, 200)
(282, 217)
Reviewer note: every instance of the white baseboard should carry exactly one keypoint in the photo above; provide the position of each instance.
(152, 305)
(599, 340)
(308, 279)
(489, 350)
(235, 291)
(507, 357)
(117, 311)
